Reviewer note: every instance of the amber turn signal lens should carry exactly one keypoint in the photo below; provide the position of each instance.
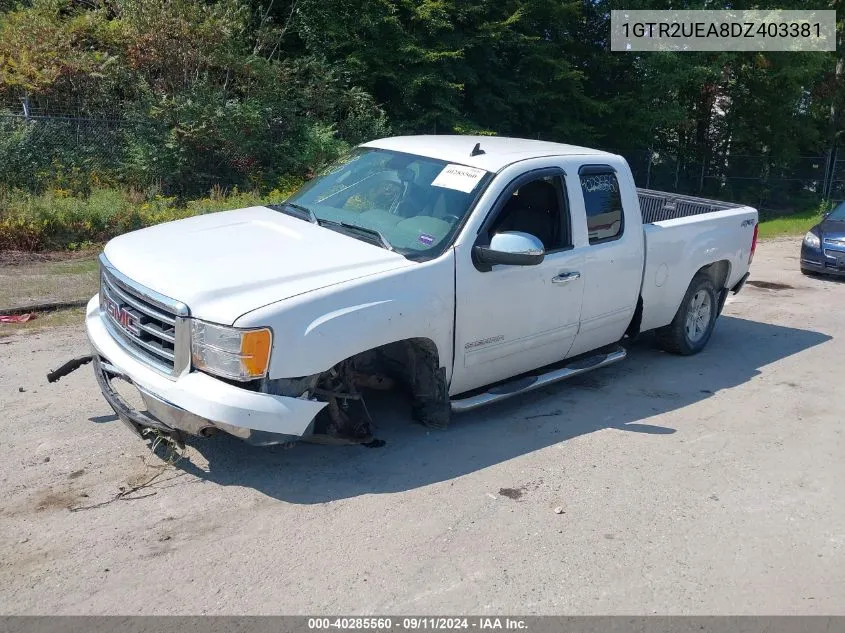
(255, 351)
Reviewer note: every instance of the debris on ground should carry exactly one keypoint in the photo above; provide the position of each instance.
(68, 367)
(17, 318)
(550, 414)
(172, 455)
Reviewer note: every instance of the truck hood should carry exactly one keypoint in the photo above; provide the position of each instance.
(222, 265)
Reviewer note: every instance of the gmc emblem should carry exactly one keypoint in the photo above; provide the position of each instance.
(123, 317)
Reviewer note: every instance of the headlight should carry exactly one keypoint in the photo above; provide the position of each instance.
(230, 352)
(812, 240)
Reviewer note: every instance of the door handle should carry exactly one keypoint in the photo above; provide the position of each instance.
(566, 277)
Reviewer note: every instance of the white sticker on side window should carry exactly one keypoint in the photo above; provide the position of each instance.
(458, 177)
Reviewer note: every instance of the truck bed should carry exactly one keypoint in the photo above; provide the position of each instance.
(682, 234)
(657, 206)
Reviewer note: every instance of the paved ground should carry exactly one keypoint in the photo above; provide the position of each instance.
(712, 484)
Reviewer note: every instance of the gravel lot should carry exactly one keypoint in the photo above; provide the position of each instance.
(705, 485)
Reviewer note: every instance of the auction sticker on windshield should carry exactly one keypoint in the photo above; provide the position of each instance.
(458, 177)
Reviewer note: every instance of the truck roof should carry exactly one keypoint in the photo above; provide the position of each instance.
(499, 151)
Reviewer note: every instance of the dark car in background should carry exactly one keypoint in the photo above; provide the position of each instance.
(823, 248)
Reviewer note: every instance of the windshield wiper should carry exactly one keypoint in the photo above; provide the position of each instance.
(376, 235)
(373, 236)
(295, 210)
(304, 213)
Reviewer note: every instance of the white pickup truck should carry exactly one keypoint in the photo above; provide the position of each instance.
(462, 269)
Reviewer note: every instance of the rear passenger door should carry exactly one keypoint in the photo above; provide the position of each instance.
(613, 254)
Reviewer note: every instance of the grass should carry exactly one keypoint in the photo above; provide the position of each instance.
(24, 284)
(793, 224)
(796, 224)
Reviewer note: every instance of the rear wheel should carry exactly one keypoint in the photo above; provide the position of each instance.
(693, 324)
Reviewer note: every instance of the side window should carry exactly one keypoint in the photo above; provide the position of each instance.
(535, 208)
(605, 220)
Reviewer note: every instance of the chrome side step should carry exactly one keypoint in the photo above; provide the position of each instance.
(528, 383)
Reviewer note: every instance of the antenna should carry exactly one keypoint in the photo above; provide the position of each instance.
(477, 151)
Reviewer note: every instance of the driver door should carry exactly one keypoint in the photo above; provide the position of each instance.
(514, 318)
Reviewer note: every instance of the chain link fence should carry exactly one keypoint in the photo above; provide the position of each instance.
(49, 151)
(39, 151)
(836, 183)
(774, 189)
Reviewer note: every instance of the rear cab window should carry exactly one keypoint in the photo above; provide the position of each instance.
(602, 203)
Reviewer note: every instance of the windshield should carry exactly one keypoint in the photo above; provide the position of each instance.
(416, 204)
(838, 212)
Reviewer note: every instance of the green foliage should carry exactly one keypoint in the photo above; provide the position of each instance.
(57, 219)
(197, 106)
(192, 96)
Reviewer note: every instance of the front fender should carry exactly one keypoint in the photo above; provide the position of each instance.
(314, 331)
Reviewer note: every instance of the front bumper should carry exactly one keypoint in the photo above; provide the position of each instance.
(827, 259)
(816, 261)
(193, 403)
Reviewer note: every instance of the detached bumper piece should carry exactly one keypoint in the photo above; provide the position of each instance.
(171, 420)
(68, 367)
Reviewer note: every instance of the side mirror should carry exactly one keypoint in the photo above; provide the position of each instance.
(513, 248)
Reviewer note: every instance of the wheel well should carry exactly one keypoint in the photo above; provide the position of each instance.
(398, 359)
(718, 273)
(411, 364)
(415, 365)
(404, 352)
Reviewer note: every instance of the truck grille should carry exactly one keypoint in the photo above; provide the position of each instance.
(149, 326)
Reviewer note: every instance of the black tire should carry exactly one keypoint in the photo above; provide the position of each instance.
(686, 334)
